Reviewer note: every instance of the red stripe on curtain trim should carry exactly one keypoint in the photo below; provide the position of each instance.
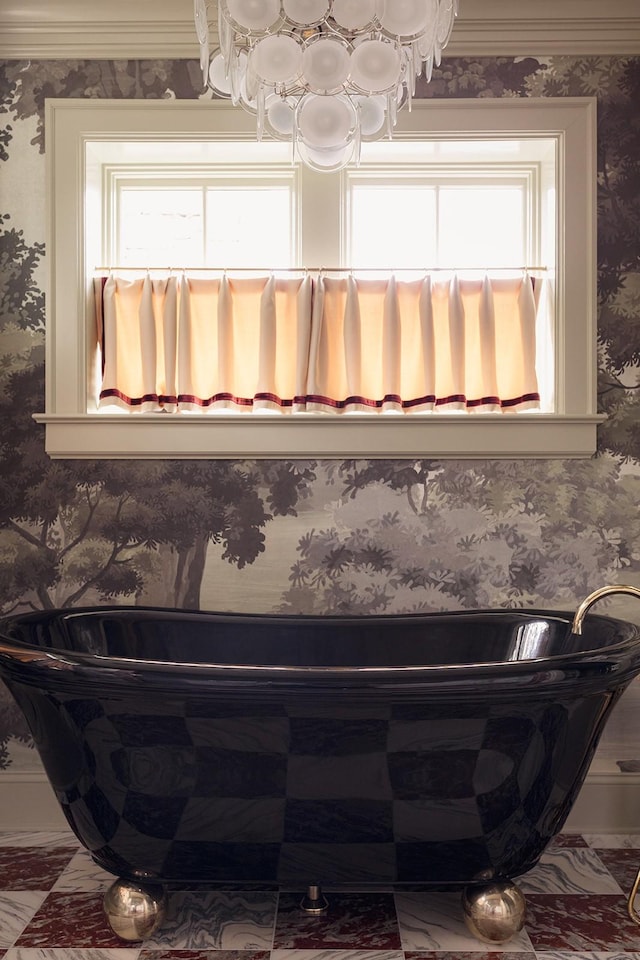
(241, 401)
(136, 401)
(316, 398)
(198, 401)
(522, 399)
(363, 401)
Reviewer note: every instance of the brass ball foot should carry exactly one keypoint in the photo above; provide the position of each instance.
(493, 912)
(135, 910)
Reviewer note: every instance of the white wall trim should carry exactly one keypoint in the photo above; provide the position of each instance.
(151, 437)
(609, 803)
(73, 429)
(42, 29)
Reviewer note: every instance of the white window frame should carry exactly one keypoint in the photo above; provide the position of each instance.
(72, 432)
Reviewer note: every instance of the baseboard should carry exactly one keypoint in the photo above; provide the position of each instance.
(608, 803)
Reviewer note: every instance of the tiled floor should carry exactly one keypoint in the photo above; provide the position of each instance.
(51, 909)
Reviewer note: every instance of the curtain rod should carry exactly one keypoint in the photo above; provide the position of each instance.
(316, 269)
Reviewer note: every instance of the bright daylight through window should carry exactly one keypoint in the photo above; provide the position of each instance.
(435, 299)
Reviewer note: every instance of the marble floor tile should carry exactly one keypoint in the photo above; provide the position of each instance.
(613, 841)
(352, 922)
(569, 870)
(151, 954)
(337, 955)
(578, 922)
(61, 838)
(217, 920)
(16, 910)
(434, 922)
(485, 953)
(623, 864)
(82, 874)
(568, 840)
(62, 953)
(69, 920)
(585, 955)
(28, 868)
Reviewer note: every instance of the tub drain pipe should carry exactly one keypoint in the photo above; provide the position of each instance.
(314, 902)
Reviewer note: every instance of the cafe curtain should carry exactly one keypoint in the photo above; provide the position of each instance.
(331, 344)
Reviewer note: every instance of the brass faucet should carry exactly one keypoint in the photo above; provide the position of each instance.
(577, 628)
(586, 605)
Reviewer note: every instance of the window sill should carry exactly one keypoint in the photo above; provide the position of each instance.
(154, 436)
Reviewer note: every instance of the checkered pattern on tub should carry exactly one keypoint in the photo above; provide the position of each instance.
(305, 792)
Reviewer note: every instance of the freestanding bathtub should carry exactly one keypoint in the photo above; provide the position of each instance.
(441, 749)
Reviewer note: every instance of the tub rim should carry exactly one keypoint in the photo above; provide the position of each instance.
(57, 659)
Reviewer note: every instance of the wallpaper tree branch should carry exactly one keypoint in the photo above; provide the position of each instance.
(330, 536)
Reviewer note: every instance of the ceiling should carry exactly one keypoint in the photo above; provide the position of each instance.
(32, 29)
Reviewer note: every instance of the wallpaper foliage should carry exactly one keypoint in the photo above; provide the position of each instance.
(313, 536)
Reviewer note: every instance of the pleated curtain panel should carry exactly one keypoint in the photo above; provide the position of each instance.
(329, 344)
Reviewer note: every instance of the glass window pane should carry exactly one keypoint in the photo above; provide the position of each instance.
(481, 226)
(160, 227)
(392, 226)
(249, 227)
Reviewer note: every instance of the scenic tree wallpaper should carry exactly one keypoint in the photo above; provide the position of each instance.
(313, 536)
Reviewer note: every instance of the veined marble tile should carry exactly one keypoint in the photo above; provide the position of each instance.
(569, 870)
(62, 838)
(203, 954)
(435, 922)
(354, 921)
(613, 841)
(82, 874)
(73, 920)
(485, 953)
(579, 922)
(337, 955)
(568, 840)
(217, 920)
(623, 864)
(16, 910)
(29, 868)
(585, 955)
(62, 953)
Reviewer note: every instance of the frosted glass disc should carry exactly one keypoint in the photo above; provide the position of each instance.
(354, 14)
(326, 161)
(371, 111)
(446, 16)
(200, 20)
(277, 59)
(376, 66)
(280, 116)
(251, 15)
(305, 13)
(218, 78)
(326, 122)
(404, 18)
(426, 40)
(325, 64)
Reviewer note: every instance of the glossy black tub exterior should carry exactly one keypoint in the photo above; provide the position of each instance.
(193, 747)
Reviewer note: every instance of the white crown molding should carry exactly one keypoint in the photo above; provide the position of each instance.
(52, 29)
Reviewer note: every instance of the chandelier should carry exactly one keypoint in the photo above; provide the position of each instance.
(325, 75)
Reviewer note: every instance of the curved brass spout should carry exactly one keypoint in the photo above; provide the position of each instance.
(632, 896)
(585, 606)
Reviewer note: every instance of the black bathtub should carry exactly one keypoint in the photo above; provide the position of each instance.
(444, 749)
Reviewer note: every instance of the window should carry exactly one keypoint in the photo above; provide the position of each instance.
(504, 159)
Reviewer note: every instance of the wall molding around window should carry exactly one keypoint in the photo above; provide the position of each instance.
(74, 127)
